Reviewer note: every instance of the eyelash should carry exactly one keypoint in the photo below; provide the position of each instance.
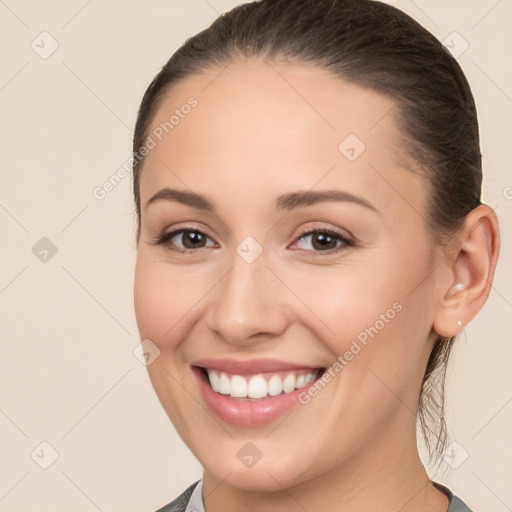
(163, 238)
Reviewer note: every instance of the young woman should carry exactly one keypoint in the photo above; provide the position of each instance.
(311, 240)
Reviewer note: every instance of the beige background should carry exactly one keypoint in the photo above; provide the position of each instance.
(68, 375)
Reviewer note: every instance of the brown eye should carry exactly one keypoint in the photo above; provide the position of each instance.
(191, 239)
(184, 240)
(324, 240)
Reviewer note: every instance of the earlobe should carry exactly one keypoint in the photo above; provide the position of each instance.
(470, 273)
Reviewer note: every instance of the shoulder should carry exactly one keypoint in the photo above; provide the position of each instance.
(456, 504)
(181, 502)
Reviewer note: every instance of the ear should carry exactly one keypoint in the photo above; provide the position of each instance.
(470, 271)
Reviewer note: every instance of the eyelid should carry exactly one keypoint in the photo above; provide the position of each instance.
(188, 227)
(323, 226)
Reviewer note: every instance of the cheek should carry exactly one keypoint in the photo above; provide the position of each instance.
(164, 299)
(373, 315)
(150, 301)
(346, 301)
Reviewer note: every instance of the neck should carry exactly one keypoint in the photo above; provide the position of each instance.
(387, 475)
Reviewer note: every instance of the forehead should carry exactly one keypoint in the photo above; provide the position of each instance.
(272, 127)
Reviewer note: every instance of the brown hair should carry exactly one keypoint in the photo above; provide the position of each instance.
(373, 45)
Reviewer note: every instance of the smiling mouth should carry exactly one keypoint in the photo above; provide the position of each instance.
(260, 386)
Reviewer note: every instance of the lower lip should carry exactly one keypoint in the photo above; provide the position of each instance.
(247, 413)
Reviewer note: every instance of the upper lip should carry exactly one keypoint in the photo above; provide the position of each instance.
(251, 366)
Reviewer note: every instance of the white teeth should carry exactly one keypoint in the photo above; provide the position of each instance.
(214, 381)
(310, 377)
(301, 381)
(257, 386)
(224, 384)
(289, 383)
(275, 385)
(238, 386)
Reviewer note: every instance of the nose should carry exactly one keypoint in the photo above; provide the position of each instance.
(249, 305)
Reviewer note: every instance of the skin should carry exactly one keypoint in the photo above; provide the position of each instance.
(353, 447)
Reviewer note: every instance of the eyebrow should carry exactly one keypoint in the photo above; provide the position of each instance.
(284, 202)
(182, 196)
(310, 197)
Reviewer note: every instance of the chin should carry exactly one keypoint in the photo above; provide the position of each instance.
(272, 471)
(262, 479)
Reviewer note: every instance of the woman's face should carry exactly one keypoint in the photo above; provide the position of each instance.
(276, 152)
